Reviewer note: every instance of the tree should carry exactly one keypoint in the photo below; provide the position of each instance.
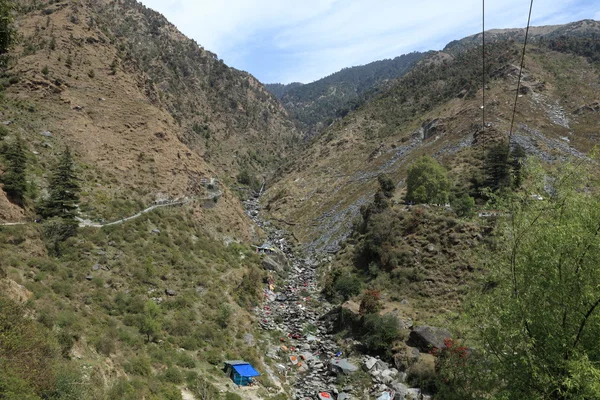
(150, 324)
(7, 31)
(463, 205)
(15, 184)
(538, 319)
(386, 185)
(64, 190)
(427, 182)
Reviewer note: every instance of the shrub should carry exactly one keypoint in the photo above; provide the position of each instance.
(370, 302)
(347, 285)
(45, 70)
(379, 333)
(139, 366)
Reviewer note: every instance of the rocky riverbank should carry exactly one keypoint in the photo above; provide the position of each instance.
(306, 354)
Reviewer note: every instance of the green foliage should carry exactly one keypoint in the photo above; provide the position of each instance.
(56, 231)
(232, 396)
(538, 320)
(503, 167)
(427, 182)
(8, 33)
(379, 333)
(347, 285)
(150, 325)
(27, 353)
(463, 205)
(224, 315)
(45, 70)
(13, 179)
(386, 185)
(64, 190)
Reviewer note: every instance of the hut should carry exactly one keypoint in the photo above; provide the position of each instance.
(240, 372)
(266, 249)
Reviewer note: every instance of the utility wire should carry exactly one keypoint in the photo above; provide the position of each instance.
(512, 123)
(483, 80)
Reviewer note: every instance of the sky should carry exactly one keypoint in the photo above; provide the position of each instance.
(304, 40)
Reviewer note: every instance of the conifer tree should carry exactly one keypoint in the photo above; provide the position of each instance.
(64, 190)
(13, 178)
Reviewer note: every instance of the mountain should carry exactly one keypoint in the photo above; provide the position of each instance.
(435, 109)
(316, 105)
(158, 129)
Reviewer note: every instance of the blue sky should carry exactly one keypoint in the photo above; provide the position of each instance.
(304, 40)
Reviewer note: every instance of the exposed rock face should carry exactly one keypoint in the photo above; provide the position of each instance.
(425, 338)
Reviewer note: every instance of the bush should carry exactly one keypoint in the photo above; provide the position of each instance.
(139, 366)
(379, 333)
(347, 285)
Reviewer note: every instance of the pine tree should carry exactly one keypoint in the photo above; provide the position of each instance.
(13, 178)
(7, 31)
(64, 190)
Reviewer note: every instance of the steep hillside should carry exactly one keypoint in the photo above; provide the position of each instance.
(224, 115)
(316, 105)
(436, 110)
(146, 307)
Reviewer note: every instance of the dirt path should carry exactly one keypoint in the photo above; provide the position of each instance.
(86, 223)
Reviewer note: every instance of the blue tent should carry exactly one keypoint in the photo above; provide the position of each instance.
(241, 372)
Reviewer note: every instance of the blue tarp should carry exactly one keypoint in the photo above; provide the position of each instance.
(245, 370)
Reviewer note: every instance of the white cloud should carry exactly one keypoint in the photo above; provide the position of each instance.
(317, 37)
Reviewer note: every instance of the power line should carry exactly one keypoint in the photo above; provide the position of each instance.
(512, 123)
(483, 81)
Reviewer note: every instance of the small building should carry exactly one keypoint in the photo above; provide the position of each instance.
(341, 366)
(240, 372)
(266, 249)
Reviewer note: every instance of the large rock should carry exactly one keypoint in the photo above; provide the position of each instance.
(400, 389)
(270, 264)
(427, 338)
(406, 357)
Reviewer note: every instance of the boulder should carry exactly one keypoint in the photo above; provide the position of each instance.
(270, 264)
(427, 338)
(400, 389)
(406, 357)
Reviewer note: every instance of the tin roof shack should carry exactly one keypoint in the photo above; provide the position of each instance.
(240, 372)
(341, 366)
(266, 248)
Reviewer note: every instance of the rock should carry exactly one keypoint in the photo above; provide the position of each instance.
(406, 357)
(96, 267)
(405, 323)
(344, 396)
(270, 264)
(369, 363)
(170, 292)
(400, 389)
(46, 134)
(426, 338)
(249, 339)
(89, 277)
(155, 230)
